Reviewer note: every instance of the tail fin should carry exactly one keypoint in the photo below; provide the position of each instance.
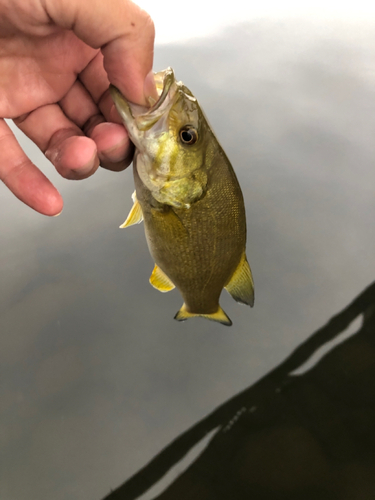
(220, 316)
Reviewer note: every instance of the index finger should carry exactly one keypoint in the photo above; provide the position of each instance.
(23, 178)
(124, 32)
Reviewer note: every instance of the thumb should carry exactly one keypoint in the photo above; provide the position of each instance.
(124, 33)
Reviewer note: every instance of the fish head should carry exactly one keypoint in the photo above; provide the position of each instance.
(171, 138)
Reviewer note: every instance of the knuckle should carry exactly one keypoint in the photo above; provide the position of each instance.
(60, 136)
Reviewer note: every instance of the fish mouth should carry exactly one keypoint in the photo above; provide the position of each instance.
(163, 81)
(141, 117)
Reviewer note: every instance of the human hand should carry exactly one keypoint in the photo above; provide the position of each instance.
(54, 59)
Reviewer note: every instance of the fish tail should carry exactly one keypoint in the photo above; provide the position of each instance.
(219, 316)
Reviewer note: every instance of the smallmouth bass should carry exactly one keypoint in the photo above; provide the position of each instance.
(188, 195)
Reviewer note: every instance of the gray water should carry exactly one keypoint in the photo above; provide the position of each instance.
(96, 376)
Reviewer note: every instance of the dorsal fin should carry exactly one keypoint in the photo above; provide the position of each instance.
(219, 316)
(135, 215)
(241, 284)
(160, 280)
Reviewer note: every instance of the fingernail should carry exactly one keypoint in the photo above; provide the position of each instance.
(149, 89)
(51, 155)
(91, 165)
(117, 152)
(57, 214)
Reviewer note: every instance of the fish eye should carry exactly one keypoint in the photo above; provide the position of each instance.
(188, 135)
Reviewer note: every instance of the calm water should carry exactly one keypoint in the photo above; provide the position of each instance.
(96, 376)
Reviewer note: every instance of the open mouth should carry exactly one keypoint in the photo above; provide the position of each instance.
(163, 81)
(142, 116)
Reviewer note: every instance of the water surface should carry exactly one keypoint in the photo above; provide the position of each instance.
(96, 376)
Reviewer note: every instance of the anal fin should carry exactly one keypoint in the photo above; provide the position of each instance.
(160, 280)
(219, 316)
(135, 215)
(241, 284)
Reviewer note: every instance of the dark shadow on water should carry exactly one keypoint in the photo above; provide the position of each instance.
(288, 436)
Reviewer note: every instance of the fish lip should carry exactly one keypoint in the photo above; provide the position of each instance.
(131, 112)
(121, 104)
(167, 81)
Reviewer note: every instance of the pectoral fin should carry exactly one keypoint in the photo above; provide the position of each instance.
(219, 316)
(241, 284)
(160, 280)
(135, 215)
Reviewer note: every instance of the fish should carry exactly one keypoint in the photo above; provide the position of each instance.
(189, 198)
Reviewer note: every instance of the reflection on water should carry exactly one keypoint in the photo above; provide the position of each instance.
(97, 377)
(309, 436)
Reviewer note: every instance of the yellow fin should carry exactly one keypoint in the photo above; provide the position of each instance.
(219, 316)
(135, 215)
(160, 280)
(241, 284)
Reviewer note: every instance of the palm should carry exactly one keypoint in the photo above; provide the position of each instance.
(40, 70)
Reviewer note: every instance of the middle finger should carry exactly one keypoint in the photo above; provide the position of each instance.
(112, 141)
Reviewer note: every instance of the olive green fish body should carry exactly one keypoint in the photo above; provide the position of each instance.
(190, 200)
(176, 237)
